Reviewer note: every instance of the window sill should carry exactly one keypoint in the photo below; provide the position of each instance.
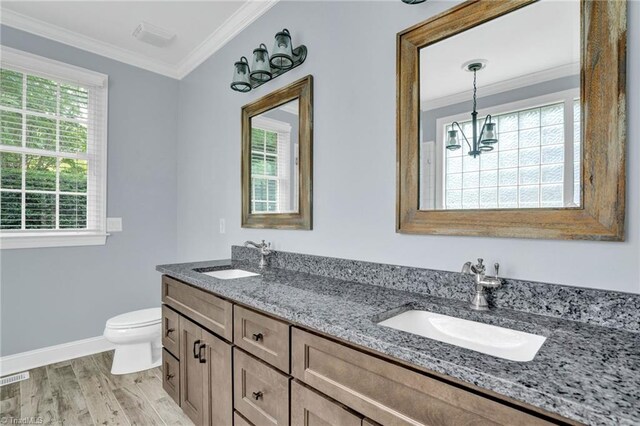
(42, 240)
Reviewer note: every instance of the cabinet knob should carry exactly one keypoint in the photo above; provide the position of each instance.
(257, 337)
(169, 331)
(170, 376)
(257, 395)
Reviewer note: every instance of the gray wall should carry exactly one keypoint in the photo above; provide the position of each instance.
(352, 55)
(57, 295)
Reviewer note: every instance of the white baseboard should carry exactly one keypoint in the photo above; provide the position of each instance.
(37, 358)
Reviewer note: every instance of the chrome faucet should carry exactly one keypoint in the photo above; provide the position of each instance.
(479, 301)
(265, 250)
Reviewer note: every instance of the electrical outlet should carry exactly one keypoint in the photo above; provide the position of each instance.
(114, 224)
(223, 226)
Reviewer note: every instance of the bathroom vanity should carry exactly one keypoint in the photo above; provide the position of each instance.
(287, 347)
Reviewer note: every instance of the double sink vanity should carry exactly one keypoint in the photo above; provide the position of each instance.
(311, 340)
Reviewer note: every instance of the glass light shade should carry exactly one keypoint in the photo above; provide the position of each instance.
(240, 81)
(452, 140)
(282, 54)
(489, 135)
(261, 70)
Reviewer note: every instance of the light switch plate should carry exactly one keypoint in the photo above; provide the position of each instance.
(223, 226)
(114, 224)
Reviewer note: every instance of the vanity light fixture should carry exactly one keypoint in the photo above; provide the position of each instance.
(265, 68)
(487, 137)
(413, 1)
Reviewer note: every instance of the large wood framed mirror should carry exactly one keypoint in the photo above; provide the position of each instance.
(511, 121)
(277, 141)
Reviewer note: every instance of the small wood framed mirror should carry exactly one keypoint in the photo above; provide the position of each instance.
(511, 121)
(277, 142)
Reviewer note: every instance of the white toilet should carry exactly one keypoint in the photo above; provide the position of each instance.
(137, 338)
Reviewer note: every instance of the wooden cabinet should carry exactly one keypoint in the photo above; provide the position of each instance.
(238, 420)
(261, 393)
(262, 336)
(390, 394)
(310, 408)
(205, 376)
(171, 375)
(170, 330)
(335, 384)
(210, 311)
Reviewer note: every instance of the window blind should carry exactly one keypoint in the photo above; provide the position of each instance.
(52, 147)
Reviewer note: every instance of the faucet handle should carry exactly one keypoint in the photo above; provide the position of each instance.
(479, 268)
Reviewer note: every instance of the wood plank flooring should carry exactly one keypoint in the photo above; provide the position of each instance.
(83, 392)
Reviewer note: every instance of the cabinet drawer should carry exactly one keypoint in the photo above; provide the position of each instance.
(212, 312)
(264, 337)
(171, 376)
(238, 420)
(171, 331)
(309, 408)
(261, 393)
(390, 394)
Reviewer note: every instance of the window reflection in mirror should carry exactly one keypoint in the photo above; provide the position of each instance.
(274, 160)
(528, 81)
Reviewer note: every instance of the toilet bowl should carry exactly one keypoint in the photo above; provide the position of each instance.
(136, 336)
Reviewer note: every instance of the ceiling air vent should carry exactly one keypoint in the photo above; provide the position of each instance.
(153, 35)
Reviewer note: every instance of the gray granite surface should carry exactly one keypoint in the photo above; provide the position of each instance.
(599, 307)
(584, 372)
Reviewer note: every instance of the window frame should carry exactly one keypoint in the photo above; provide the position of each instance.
(567, 97)
(283, 132)
(96, 155)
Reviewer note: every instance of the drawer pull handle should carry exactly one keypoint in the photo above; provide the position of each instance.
(201, 354)
(257, 395)
(196, 353)
(169, 331)
(257, 337)
(170, 376)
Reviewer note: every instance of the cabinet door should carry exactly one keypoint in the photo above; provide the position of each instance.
(261, 393)
(171, 331)
(309, 408)
(216, 355)
(192, 372)
(171, 375)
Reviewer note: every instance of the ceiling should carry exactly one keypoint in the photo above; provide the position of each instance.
(537, 43)
(106, 27)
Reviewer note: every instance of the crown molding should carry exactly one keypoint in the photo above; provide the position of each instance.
(241, 19)
(504, 86)
(83, 42)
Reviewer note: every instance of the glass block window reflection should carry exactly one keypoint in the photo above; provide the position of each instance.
(526, 169)
(577, 152)
(264, 171)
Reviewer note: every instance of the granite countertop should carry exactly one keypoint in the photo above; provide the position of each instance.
(584, 372)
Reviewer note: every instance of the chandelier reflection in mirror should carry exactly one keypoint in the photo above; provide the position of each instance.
(487, 138)
(265, 68)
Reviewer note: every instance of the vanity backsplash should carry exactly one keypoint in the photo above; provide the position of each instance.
(599, 307)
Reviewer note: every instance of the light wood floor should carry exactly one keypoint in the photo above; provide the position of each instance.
(83, 392)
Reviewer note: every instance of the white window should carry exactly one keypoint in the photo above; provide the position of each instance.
(270, 166)
(53, 148)
(535, 164)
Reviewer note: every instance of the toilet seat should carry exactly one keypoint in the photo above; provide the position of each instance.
(135, 319)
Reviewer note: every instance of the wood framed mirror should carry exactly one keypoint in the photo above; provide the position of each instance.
(277, 150)
(511, 121)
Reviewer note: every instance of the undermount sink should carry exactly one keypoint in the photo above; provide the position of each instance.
(229, 274)
(488, 339)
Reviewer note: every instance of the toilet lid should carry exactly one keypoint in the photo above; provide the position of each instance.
(136, 319)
